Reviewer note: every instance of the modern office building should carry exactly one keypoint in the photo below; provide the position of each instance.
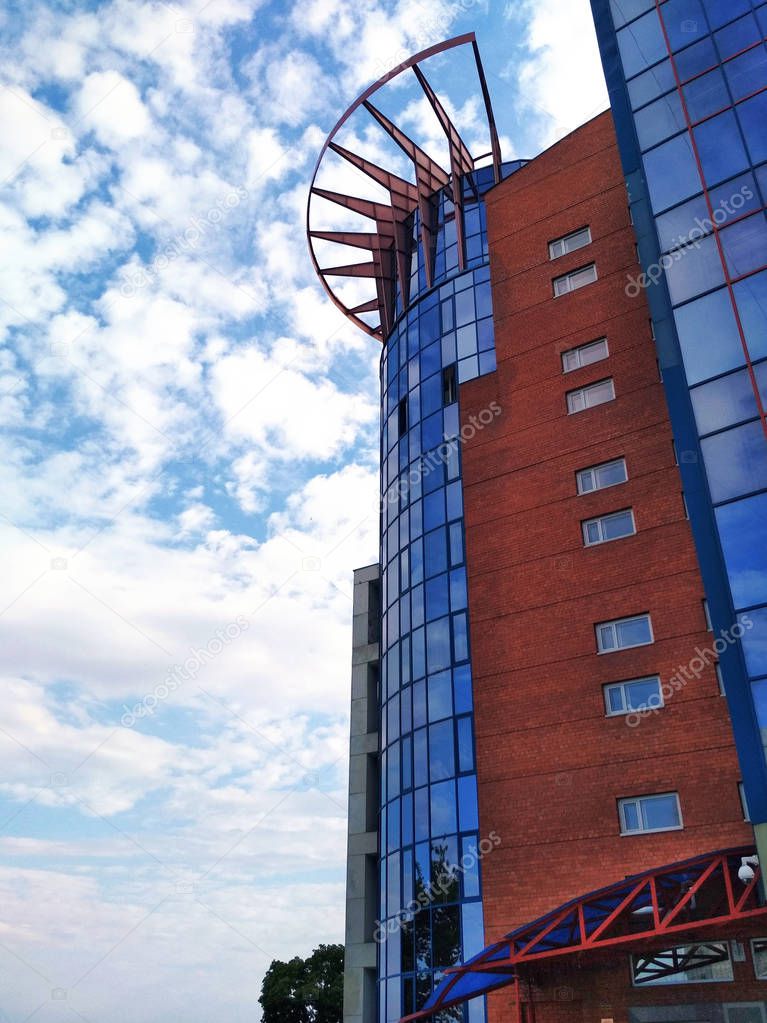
(556, 762)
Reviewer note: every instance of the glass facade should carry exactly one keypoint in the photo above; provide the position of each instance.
(688, 84)
(430, 852)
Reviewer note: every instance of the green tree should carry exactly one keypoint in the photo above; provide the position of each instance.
(305, 990)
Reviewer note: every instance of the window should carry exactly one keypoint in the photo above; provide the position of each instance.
(402, 417)
(570, 243)
(759, 955)
(685, 964)
(588, 397)
(672, 173)
(719, 677)
(575, 279)
(623, 633)
(608, 527)
(707, 616)
(635, 694)
(594, 351)
(599, 477)
(449, 386)
(650, 813)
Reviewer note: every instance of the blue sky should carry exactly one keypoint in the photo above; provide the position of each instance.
(188, 476)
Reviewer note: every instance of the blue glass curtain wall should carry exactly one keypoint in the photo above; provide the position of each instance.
(430, 869)
(688, 82)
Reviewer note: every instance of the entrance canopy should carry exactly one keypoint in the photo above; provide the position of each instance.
(658, 905)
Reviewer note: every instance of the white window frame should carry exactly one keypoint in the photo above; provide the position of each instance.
(614, 622)
(638, 800)
(759, 976)
(575, 356)
(570, 242)
(583, 392)
(564, 284)
(594, 470)
(599, 520)
(622, 687)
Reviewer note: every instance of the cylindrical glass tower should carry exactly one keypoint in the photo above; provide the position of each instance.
(429, 261)
(431, 908)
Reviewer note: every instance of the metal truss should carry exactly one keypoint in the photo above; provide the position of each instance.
(389, 242)
(680, 959)
(636, 913)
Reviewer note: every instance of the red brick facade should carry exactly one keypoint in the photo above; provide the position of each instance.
(551, 764)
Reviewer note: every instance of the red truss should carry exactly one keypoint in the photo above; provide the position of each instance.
(647, 910)
(388, 243)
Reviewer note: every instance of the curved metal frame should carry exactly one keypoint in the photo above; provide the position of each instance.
(389, 243)
(660, 904)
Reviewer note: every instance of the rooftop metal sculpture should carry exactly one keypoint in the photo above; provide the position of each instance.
(388, 243)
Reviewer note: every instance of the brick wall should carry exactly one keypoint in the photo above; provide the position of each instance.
(551, 764)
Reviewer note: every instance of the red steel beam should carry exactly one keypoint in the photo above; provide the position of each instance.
(404, 197)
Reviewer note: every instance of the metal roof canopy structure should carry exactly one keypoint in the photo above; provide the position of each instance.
(388, 243)
(647, 909)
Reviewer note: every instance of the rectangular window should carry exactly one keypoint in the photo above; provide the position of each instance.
(707, 616)
(623, 633)
(402, 417)
(719, 677)
(608, 527)
(569, 243)
(588, 397)
(704, 962)
(575, 279)
(449, 385)
(759, 955)
(641, 814)
(599, 477)
(634, 694)
(584, 355)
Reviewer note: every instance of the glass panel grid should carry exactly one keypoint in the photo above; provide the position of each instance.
(429, 795)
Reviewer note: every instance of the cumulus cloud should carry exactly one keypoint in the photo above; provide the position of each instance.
(560, 81)
(188, 470)
(111, 105)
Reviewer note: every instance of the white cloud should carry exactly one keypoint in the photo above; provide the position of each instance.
(561, 84)
(179, 398)
(196, 518)
(271, 404)
(111, 105)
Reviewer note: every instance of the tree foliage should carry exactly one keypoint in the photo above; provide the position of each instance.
(305, 990)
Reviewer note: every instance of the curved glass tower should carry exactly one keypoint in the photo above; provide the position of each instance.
(429, 261)
(431, 907)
